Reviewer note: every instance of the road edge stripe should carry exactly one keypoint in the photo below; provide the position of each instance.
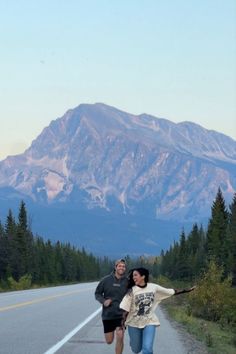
(57, 346)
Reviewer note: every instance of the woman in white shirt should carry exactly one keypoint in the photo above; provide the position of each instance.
(140, 304)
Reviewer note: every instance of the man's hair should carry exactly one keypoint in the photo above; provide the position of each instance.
(121, 260)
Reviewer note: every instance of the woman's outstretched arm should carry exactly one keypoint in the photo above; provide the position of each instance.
(182, 291)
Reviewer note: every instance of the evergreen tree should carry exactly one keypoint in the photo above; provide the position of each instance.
(10, 226)
(164, 262)
(183, 258)
(14, 261)
(156, 267)
(193, 239)
(22, 217)
(49, 268)
(216, 244)
(59, 261)
(24, 242)
(201, 252)
(4, 253)
(195, 247)
(169, 262)
(1, 229)
(70, 270)
(105, 265)
(232, 240)
(174, 261)
(38, 267)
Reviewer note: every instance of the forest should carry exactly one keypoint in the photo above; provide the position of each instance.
(40, 262)
(206, 257)
(27, 260)
(188, 258)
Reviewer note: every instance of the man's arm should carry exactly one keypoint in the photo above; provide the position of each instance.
(99, 293)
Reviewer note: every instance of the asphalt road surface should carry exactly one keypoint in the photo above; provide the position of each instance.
(67, 320)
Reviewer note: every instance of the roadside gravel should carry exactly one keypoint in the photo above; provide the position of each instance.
(190, 343)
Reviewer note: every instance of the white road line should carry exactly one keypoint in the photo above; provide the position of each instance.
(57, 346)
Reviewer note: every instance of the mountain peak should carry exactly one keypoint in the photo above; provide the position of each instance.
(96, 154)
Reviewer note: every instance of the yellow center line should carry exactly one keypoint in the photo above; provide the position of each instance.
(21, 304)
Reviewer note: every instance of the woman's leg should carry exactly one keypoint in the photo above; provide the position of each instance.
(135, 335)
(148, 339)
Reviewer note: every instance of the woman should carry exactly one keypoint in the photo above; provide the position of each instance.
(139, 305)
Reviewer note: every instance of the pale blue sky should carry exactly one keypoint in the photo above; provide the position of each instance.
(172, 59)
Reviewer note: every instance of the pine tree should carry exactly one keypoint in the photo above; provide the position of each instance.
(216, 244)
(69, 263)
(14, 262)
(4, 253)
(38, 266)
(195, 246)
(59, 261)
(10, 226)
(232, 240)
(22, 217)
(24, 241)
(49, 263)
(201, 257)
(169, 263)
(174, 261)
(183, 258)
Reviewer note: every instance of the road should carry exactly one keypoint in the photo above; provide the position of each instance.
(67, 319)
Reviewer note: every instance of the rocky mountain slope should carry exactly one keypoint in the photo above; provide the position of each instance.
(97, 157)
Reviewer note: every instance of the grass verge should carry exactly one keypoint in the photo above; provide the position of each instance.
(218, 338)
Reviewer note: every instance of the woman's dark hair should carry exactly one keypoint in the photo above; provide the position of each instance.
(141, 271)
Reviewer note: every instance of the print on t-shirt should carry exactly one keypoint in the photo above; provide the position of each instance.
(143, 303)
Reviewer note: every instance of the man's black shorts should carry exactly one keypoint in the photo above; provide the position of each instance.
(111, 325)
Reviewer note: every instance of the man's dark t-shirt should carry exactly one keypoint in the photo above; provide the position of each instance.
(112, 288)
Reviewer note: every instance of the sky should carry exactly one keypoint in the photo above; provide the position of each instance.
(174, 59)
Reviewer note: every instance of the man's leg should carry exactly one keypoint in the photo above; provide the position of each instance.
(109, 336)
(119, 340)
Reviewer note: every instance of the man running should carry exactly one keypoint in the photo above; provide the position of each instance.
(109, 292)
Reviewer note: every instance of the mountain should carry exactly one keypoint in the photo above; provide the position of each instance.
(101, 169)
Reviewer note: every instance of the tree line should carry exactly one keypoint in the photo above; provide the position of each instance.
(191, 255)
(22, 253)
(25, 256)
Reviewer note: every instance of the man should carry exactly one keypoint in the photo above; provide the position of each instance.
(109, 292)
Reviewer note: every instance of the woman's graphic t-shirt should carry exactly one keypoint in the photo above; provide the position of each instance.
(141, 303)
